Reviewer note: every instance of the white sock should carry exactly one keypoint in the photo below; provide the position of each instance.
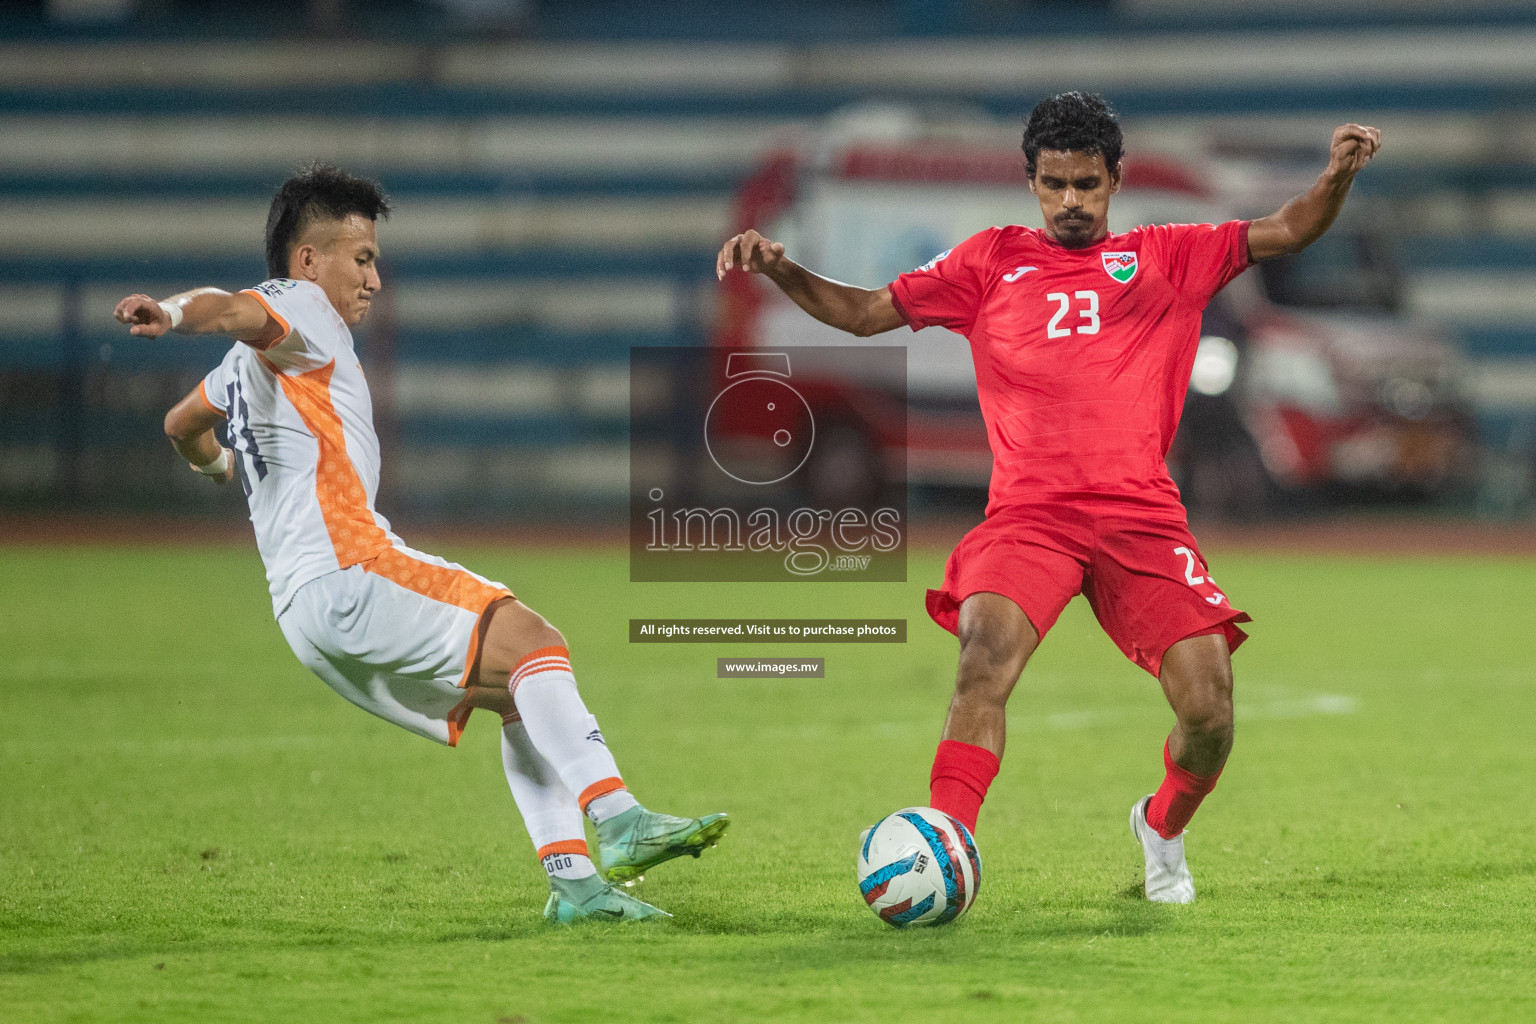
(549, 811)
(566, 734)
(610, 805)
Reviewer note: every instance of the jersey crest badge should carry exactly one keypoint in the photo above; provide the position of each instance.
(1120, 265)
(934, 262)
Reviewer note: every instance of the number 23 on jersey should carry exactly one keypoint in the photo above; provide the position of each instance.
(1085, 304)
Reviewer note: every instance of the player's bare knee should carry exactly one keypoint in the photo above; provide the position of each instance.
(1211, 722)
(1197, 679)
(512, 632)
(528, 630)
(988, 650)
(995, 635)
(1204, 705)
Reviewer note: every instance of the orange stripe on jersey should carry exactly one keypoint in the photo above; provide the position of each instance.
(202, 392)
(576, 846)
(450, 586)
(602, 787)
(273, 314)
(338, 488)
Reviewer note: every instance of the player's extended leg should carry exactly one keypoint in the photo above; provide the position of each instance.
(528, 656)
(1196, 676)
(554, 824)
(996, 641)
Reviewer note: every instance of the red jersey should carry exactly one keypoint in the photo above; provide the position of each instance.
(1082, 355)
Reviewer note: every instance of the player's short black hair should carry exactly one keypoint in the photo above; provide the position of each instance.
(317, 192)
(1074, 122)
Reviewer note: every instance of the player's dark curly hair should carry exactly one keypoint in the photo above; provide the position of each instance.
(317, 192)
(1074, 122)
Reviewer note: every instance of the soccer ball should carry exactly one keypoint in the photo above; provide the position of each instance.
(918, 866)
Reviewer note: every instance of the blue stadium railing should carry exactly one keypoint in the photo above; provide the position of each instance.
(89, 398)
(409, 99)
(778, 21)
(79, 349)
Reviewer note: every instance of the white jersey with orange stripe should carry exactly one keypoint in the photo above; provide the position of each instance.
(301, 428)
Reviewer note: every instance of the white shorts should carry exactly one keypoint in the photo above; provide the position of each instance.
(396, 635)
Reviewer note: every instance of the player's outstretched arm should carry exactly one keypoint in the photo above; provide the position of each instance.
(200, 311)
(859, 311)
(190, 425)
(1303, 220)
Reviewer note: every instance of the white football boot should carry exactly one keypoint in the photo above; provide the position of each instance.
(1168, 877)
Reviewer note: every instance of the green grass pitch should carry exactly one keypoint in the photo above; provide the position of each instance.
(194, 829)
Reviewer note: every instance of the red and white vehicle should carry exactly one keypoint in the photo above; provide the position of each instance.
(1283, 398)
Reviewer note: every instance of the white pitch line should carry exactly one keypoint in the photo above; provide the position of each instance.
(1246, 711)
(1282, 705)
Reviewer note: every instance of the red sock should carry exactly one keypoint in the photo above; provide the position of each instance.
(958, 784)
(1176, 799)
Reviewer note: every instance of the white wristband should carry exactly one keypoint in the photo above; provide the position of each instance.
(218, 467)
(174, 312)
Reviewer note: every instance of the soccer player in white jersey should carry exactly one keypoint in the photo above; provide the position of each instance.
(418, 641)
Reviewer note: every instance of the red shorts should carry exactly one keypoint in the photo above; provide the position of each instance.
(1143, 576)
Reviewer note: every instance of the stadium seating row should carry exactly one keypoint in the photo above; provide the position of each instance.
(559, 203)
(1146, 63)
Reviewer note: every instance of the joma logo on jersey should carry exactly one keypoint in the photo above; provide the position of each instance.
(1120, 265)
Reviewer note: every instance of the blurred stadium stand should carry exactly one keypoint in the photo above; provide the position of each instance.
(564, 176)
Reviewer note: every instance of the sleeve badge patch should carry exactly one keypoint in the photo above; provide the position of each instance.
(274, 288)
(935, 261)
(1120, 265)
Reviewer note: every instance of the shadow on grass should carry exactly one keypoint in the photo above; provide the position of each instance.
(512, 932)
(804, 941)
(319, 937)
(29, 962)
(1125, 913)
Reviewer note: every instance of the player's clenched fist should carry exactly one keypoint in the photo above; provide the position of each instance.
(751, 252)
(1352, 148)
(147, 317)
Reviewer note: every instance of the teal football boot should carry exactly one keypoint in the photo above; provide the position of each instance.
(637, 840)
(591, 899)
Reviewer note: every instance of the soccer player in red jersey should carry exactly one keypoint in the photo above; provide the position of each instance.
(1083, 343)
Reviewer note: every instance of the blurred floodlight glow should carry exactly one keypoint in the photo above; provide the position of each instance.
(1215, 365)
